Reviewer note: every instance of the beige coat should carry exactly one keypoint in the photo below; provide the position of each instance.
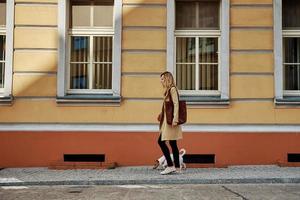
(169, 132)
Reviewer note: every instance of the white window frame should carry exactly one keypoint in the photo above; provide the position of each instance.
(279, 34)
(64, 50)
(197, 35)
(3, 33)
(286, 34)
(223, 48)
(8, 31)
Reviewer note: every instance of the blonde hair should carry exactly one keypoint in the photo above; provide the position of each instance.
(169, 80)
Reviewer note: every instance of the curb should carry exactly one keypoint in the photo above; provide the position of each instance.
(157, 181)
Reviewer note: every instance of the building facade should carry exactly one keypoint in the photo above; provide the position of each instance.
(82, 77)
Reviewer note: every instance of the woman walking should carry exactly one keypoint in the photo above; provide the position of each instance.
(168, 132)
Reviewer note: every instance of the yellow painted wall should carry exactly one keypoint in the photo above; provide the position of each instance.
(143, 58)
(35, 60)
(251, 62)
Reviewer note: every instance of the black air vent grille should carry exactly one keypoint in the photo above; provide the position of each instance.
(84, 157)
(293, 157)
(199, 158)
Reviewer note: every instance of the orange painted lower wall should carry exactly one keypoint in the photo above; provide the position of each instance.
(41, 149)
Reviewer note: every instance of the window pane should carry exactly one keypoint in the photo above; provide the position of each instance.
(199, 14)
(2, 72)
(80, 14)
(292, 59)
(208, 77)
(208, 14)
(103, 67)
(2, 60)
(2, 13)
(292, 77)
(185, 77)
(103, 76)
(291, 14)
(208, 48)
(103, 49)
(2, 47)
(79, 49)
(291, 50)
(103, 13)
(91, 13)
(185, 15)
(79, 76)
(185, 50)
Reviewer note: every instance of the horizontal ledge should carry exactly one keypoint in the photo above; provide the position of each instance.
(251, 50)
(127, 128)
(52, 50)
(288, 101)
(71, 99)
(252, 73)
(34, 26)
(35, 72)
(147, 5)
(258, 28)
(35, 3)
(6, 100)
(35, 97)
(251, 28)
(36, 49)
(252, 99)
(144, 28)
(30, 27)
(141, 73)
(251, 5)
(141, 51)
(204, 100)
(142, 99)
(257, 51)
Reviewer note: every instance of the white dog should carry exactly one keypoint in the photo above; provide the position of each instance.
(162, 161)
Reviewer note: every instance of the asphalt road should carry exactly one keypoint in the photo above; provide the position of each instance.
(154, 192)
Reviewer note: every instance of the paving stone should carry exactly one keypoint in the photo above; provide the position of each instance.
(146, 175)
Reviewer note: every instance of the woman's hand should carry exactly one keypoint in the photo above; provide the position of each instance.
(174, 123)
(159, 117)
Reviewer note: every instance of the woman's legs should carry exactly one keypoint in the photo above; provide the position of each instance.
(165, 150)
(175, 152)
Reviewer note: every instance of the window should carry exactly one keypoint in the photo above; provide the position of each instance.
(197, 37)
(291, 47)
(89, 49)
(91, 37)
(6, 50)
(2, 43)
(198, 47)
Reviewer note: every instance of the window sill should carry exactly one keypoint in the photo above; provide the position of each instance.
(290, 101)
(6, 100)
(89, 99)
(204, 100)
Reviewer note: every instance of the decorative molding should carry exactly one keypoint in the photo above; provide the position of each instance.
(170, 34)
(225, 52)
(10, 7)
(132, 128)
(278, 51)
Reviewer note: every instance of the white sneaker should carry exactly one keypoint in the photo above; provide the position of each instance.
(178, 170)
(168, 170)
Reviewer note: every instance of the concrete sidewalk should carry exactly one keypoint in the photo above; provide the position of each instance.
(146, 175)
